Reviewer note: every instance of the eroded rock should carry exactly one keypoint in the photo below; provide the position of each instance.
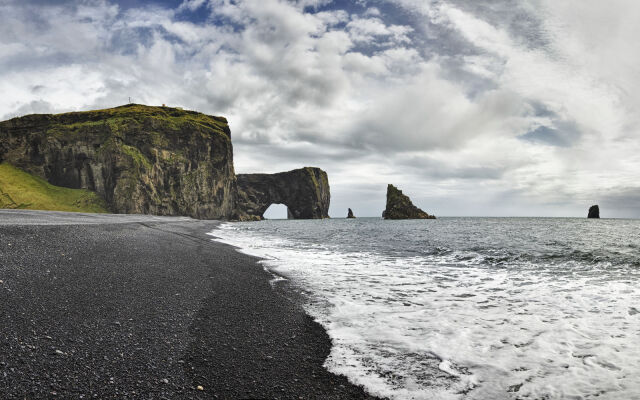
(399, 206)
(304, 191)
(594, 212)
(350, 214)
(155, 160)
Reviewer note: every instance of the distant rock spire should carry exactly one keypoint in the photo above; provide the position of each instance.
(350, 214)
(399, 206)
(594, 212)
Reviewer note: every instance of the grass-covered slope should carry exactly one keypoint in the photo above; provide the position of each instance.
(19, 189)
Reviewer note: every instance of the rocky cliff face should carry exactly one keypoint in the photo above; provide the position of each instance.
(594, 212)
(140, 159)
(304, 191)
(399, 206)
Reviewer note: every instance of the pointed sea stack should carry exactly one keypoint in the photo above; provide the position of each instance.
(594, 212)
(350, 214)
(400, 206)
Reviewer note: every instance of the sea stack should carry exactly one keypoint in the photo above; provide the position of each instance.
(399, 206)
(594, 212)
(350, 214)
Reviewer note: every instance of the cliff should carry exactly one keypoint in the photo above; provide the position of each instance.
(139, 159)
(399, 206)
(304, 191)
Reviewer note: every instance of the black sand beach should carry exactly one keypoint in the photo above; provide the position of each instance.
(145, 307)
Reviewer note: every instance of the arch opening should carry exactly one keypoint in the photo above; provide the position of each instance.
(276, 211)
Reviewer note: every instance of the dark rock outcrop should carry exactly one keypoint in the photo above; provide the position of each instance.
(350, 214)
(304, 191)
(399, 206)
(594, 212)
(140, 159)
(156, 160)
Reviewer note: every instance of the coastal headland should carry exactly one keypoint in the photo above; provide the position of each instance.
(135, 306)
(138, 159)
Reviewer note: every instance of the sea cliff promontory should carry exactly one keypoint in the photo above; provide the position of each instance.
(139, 159)
(151, 160)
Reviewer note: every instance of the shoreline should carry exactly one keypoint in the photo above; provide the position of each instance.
(148, 307)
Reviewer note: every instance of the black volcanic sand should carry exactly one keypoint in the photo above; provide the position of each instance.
(146, 307)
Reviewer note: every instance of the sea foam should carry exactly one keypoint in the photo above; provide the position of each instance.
(453, 325)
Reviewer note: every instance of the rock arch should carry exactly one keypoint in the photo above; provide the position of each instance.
(304, 191)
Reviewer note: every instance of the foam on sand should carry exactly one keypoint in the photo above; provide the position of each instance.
(452, 326)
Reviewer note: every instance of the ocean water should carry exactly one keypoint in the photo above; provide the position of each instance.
(467, 308)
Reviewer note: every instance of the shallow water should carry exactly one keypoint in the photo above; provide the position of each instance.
(467, 308)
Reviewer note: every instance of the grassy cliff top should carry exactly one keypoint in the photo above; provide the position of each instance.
(21, 190)
(166, 116)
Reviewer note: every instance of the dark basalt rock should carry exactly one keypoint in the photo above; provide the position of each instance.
(399, 206)
(140, 159)
(304, 191)
(350, 214)
(594, 212)
(156, 160)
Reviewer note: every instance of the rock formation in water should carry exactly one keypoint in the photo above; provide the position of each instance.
(304, 191)
(350, 214)
(399, 206)
(594, 212)
(140, 159)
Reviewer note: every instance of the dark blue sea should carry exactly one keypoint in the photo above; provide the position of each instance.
(467, 308)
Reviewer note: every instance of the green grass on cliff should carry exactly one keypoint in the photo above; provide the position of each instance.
(138, 158)
(21, 190)
(135, 116)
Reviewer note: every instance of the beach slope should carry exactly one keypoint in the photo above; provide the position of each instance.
(123, 306)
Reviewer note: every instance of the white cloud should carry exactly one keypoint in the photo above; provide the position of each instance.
(369, 30)
(438, 103)
(578, 70)
(191, 5)
(372, 11)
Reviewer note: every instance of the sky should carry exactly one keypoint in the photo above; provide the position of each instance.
(491, 108)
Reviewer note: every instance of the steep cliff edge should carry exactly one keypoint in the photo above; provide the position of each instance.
(304, 191)
(399, 206)
(139, 159)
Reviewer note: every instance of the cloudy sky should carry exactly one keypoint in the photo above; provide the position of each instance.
(494, 107)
